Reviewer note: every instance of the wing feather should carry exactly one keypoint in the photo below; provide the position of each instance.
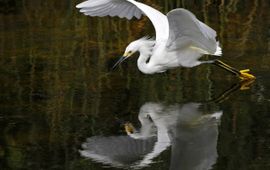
(99, 11)
(127, 9)
(132, 12)
(187, 31)
(138, 13)
(124, 11)
(117, 150)
(109, 7)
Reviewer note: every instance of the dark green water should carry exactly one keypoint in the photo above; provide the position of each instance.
(57, 90)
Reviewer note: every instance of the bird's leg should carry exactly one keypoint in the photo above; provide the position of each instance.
(227, 67)
(242, 74)
(207, 62)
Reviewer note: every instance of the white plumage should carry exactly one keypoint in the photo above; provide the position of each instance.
(181, 39)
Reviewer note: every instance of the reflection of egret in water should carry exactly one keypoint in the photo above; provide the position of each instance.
(190, 129)
(191, 133)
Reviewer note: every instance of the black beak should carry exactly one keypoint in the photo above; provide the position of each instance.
(119, 61)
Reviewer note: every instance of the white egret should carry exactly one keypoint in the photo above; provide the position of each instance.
(181, 39)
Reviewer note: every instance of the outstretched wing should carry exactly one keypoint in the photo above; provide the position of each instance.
(117, 151)
(187, 31)
(127, 9)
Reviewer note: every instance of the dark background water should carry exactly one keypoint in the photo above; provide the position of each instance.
(57, 89)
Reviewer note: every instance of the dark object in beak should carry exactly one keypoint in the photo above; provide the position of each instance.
(119, 61)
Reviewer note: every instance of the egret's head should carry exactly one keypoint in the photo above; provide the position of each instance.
(142, 45)
(130, 50)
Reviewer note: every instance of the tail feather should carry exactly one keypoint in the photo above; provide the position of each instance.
(218, 50)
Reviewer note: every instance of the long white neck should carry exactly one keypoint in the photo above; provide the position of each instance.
(144, 61)
(143, 65)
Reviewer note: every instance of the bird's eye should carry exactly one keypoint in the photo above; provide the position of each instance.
(129, 52)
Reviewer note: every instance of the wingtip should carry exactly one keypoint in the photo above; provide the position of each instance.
(78, 6)
(82, 4)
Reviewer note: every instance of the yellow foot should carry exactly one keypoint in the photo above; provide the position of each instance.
(245, 75)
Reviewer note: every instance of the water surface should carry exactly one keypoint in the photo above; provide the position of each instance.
(57, 91)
